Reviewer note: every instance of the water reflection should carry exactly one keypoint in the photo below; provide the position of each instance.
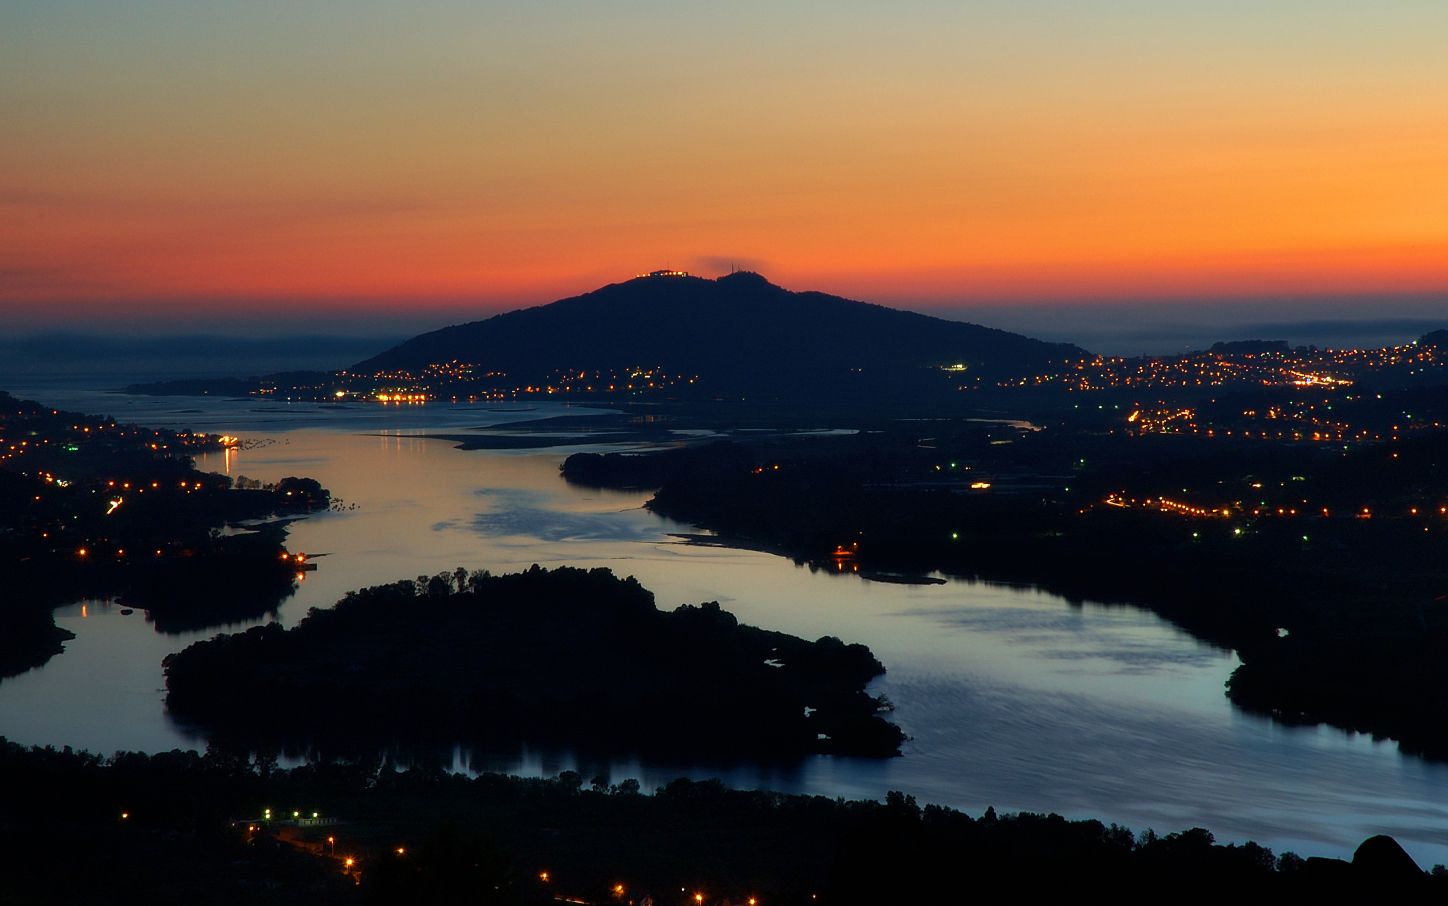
(1088, 643)
(531, 516)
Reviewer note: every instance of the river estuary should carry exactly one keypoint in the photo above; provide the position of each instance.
(1013, 698)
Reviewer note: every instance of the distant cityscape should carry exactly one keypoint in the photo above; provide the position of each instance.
(1277, 393)
(467, 382)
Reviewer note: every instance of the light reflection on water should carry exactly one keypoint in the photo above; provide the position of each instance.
(1013, 698)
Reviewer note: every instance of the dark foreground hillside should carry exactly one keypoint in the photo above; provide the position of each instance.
(186, 828)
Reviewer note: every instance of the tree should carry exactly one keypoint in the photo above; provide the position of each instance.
(478, 579)
(899, 802)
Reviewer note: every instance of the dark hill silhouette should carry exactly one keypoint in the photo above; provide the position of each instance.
(738, 333)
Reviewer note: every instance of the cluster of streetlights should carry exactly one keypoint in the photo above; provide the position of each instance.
(618, 891)
(350, 862)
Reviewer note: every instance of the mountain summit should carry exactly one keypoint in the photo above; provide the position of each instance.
(738, 333)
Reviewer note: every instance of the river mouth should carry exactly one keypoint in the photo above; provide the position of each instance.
(1013, 697)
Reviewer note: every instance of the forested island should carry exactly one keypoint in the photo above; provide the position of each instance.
(93, 508)
(222, 828)
(564, 656)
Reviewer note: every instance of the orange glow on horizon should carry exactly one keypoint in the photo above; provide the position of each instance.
(466, 282)
(476, 161)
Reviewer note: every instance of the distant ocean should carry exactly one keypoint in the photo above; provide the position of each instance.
(1168, 327)
(1168, 339)
(115, 360)
(1130, 329)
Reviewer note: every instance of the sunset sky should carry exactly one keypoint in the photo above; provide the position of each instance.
(170, 162)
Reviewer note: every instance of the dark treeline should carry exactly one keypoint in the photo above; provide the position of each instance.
(563, 655)
(192, 831)
(1337, 618)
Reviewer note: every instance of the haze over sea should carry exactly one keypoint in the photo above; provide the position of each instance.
(217, 347)
(1013, 698)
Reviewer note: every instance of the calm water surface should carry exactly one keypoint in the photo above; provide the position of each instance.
(1013, 698)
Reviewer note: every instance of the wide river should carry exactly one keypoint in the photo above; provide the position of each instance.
(1013, 698)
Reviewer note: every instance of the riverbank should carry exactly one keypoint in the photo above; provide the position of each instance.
(93, 508)
(1334, 617)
